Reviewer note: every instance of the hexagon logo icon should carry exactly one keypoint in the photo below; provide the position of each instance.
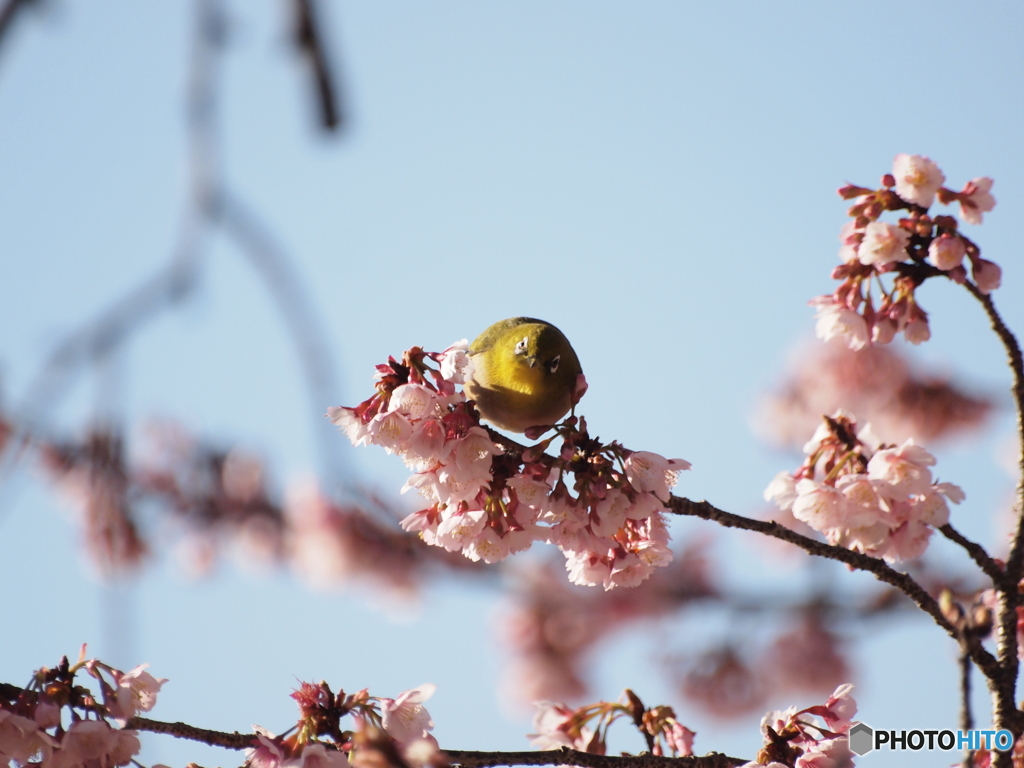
(862, 738)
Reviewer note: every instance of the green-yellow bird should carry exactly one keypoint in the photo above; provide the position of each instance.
(524, 374)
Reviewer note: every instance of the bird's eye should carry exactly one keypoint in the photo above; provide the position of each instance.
(553, 363)
(521, 346)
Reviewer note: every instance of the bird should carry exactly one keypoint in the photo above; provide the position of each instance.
(524, 375)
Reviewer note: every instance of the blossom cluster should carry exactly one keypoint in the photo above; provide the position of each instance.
(489, 498)
(385, 732)
(809, 738)
(215, 502)
(879, 384)
(916, 247)
(586, 728)
(34, 729)
(872, 498)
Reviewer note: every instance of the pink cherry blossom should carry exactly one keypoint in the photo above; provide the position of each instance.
(947, 251)
(908, 542)
(883, 243)
(414, 401)
(21, 739)
(95, 743)
(976, 199)
(902, 471)
(650, 472)
(680, 739)
(917, 179)
(850, 236)
(841, 707)
(137, 690)
(586, 568)
(917, 330)
(555, 728)
(458, 529)
(456, 364)
(782, 490)
(318, 756)
(405, 718)
(987, 275)
(883, 331)
(820, 506)
(837, 320)
(353, 427)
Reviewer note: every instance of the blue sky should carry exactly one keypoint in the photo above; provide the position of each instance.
(657, 180)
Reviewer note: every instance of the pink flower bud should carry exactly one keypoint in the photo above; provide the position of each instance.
(947, 252)
(987, 275)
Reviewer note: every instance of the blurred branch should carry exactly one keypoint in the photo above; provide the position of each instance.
(310, 44)
(7, 14)
(268, 259)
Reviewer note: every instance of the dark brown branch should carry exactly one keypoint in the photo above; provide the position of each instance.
(234, 740)
(566, 756)
(966, 717)
(1006, 714)
(977, 553)
(310, 43)
(879, 568)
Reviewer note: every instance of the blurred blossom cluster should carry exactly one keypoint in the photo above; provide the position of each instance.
(550, 627)
(586, 728)
(875, 382)
(873, 498)
(56, 723)
(210, 501)
(814, 737)
(489, 498)
(914, 248)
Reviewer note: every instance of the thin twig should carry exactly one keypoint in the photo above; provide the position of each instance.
(879, 568)
(233, 740)
(310, 43)
(977, 553)
(1006, 714)
(966, 716)
(268, 258)
(566, 756)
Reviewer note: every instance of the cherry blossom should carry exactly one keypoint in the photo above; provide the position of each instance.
(917, 179)
(880, 500)
(488, 502)
(405, 718)
(947, 251)
(976, 199)
(883, 243)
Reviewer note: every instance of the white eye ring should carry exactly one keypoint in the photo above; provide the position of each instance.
(553, 363)
(521, 346)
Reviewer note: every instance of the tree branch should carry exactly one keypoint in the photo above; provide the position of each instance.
(309, 41)
(233, 740)
(467, 759)
(977, 553)
(566, 756)
(1006, 714)
(879, 568)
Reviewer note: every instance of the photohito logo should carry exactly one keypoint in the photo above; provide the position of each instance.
(864, 739)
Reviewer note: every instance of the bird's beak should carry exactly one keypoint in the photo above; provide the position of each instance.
(532, 360)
